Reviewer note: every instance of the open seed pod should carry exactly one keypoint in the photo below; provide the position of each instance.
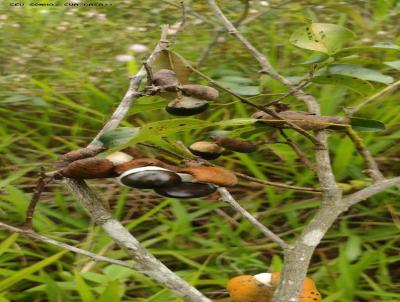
(187, 190)
(260, 288)
(304, 120)
(142, 162)
(206, 150)
(186, 106)
(213, 175)
(247, 288)
(149, 177)
(118, 158)
(235, 144)
(165, 77)
(200, 91)
(89, 168)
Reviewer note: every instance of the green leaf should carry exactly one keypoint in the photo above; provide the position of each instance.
(144, 107)
(124, 135)
(119, 136)
(360, 73)
(322, 37)
(239, 85)
(316, 58)
(111, 293)
(353, 248)
(22, 274)
(366, 125)
(358, 85)
(393, 64)
(83, 289)
(7, 243)
(375, 48)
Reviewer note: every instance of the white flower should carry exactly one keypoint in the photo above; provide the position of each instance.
(56, 59)
(44, 11)
(142, 29)
(91, 14)
(16, 25)
(101, 17)
(124, 58)
(264, 3)
(137, 48)
(131, 28)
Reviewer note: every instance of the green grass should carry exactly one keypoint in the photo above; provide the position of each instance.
(59, 86)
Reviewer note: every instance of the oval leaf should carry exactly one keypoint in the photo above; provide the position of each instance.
(360, 73)
(322, 37)
(360, 86)
(375, 48)
(366, 125)
(118, 136)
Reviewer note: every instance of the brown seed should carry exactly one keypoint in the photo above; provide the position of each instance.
(69, 157)
(186, 106)
(142, 162)
(206, 150)
(236, 145)
(304, 120)
(165, 77)
(214, 175)
(200, 91)
(89, 168)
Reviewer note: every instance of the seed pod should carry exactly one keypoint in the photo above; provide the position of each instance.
(304, 120)
(246, 288)
(89, 168)
(187, 190)
(165, 77)
(214, 175)
(71, 156)
(200, 91)
(186, 106)
(235, 144)
(142, 162)
(149, 178)
(206, 150)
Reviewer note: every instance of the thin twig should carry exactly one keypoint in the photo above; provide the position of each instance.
(38, 237)
(228, 198)
(372, 166)
(302, 156)
(351, 111)
(42, 182)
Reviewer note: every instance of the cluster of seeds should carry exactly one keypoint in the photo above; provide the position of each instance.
(147, 173)
(218, 145)
(190, 99)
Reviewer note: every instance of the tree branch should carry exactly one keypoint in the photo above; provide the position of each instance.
(38, 237)
(294, 271)
(146, 262)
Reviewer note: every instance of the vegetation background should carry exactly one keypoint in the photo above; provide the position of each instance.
(63, 71)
